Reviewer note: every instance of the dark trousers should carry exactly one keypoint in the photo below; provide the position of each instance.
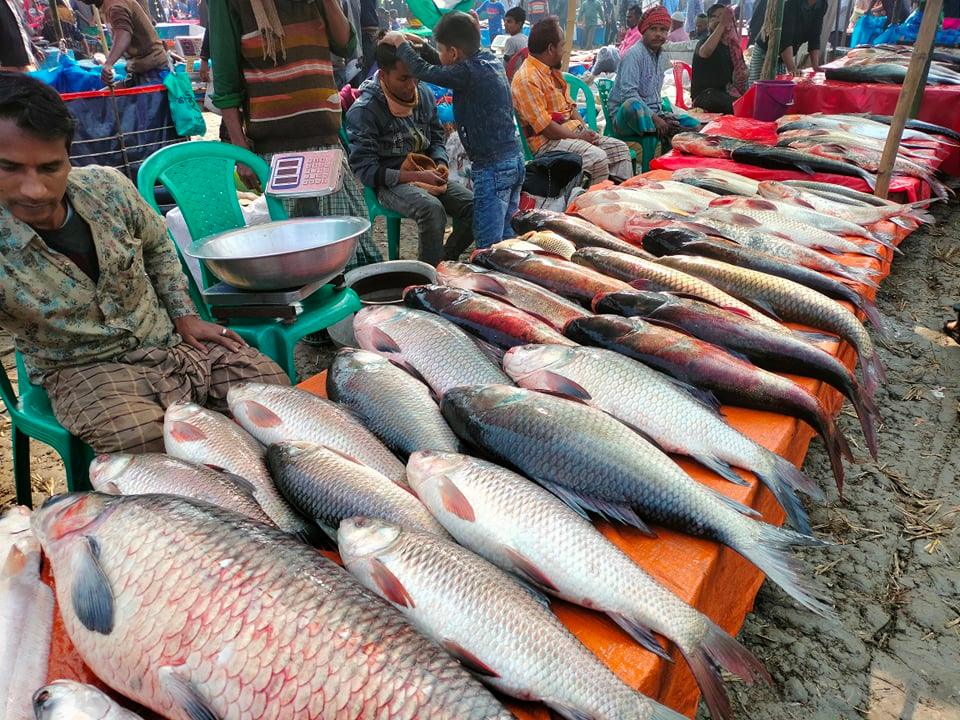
(431, 213)
(715, 101)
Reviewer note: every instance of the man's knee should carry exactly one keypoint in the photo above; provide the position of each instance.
(595, 161)
(428, 209)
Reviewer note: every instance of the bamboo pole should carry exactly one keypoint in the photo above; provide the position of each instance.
(772, 29)
(570, 33)
(914, 82)
(100, 32)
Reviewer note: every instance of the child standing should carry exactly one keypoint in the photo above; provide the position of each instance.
(483, 109)
(513, 24)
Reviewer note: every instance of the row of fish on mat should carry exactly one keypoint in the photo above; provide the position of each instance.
(849, 145)
(889, 63)
(463, 448)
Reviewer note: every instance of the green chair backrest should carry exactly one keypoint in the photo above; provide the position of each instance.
(604, 86)
(527, 152)
(575, 86)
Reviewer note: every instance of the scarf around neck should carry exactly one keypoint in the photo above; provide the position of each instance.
(399, 108)
(269, 27)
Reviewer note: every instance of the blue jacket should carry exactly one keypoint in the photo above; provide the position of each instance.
(379, 142)
(482, 103)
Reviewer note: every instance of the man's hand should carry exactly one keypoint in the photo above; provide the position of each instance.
(726, 17)
(427, 177)
(106, 74)
(204, 71)
(660, 124)
(195, 332)
(476, 18)
(589, 135)
(394, 37)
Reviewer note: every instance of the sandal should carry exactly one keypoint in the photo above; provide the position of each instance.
(953, 332)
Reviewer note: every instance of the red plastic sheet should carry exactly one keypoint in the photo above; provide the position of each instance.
(817, 94)
(757, 131)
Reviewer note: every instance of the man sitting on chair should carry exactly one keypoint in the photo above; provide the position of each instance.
(92, 290)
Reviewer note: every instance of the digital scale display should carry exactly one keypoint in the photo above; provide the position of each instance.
(308, 174)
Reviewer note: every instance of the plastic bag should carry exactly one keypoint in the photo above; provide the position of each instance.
(429, 12)
(867, 29)
(187, 116)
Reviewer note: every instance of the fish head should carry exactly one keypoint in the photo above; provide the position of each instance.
(362, 539)
(106, 468)
(462, 406)
(372, 326)
(425, 467)
(518, 244)
(667, 240)
(499, 257)
(183, 424)
(522, 361)
(433, 298)
(641, 303)
(527, 220)
(449, 269)
(69, 700)
(290, 451)
(61, 518)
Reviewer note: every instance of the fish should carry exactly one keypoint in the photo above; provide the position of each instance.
(732, 380)
(784, 228)
(489, 621)
(212, 615)
(673, 415)
(555, 274)
(522, 294)
(551, 242)
(674, 187)
(792, 302)
(274, 413)
(327, 487)
(524, 529)
(521, 245)
(150, 473)
(205, 437)
(889, 73)
(849, 123)
(26, 615)
(850, 194)
(627, 221)
(830, 136)
(768, 348)
(428, 346)
(395, 406)
(718, 181)
(497, 322)
(808, 216)
(780, 158)
(71, 700)
(683, 242)
(649, 197)
(578, 231)
(715, 146)
(594, 462)
(652, 275)
(914, 124)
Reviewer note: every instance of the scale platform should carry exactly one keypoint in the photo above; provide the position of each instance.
(229, 302)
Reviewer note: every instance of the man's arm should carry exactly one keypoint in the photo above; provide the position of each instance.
(340, 33)
(455, 77)
(629, 76)
(363, 131)
(709, 45)
(121, 27)
(533, 114)
(229, 90)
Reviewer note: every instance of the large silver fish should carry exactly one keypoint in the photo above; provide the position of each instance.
(487, 620)
(394, 405)
(70, 700)
(196, 612)
(524, 529)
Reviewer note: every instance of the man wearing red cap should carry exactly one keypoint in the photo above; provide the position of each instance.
(634, 101)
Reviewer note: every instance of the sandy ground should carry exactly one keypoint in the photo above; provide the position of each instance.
(894, 654)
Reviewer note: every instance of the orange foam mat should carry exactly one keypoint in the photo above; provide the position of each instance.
(709, 576)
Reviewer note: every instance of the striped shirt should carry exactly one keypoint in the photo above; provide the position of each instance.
(540, 97)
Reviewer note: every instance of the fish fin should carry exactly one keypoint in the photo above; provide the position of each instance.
(14, 564)
(343, 455)
(736, 311)
(745, 220)
(805, 168)
(870, 179)
(390, 586)
(455, 501)
(217, 468)
(873, 373)
(110, 488)
(493, 353)
(781, 479)
(547, 380)
(608, 510)
(487, 284)
(470, 661)
(91, 594)
(716, 651)
(528, 570)
(721, 468)
(761, 204)
(873, 317)
(641, 634)
(732, 504)
(186, 695)
(383, 342)
(704, 397)
(260, 415)
(765, 307)
(185, 432)
(705, 229)
(243, 485)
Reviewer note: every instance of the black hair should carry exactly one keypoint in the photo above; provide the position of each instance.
(35, 107)
(518, 15)
(458, 30)
(545, 33)
(716, 7)
(635, 9)
(386, 55)
(704, 16)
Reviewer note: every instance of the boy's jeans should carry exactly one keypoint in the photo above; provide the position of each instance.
(496, 196)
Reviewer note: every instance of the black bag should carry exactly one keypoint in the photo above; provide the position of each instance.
(551, 177)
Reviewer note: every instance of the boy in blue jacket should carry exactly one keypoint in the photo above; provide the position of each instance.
(483, 108)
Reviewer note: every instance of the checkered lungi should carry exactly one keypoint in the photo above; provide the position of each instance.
(608, 158)
(118, 406)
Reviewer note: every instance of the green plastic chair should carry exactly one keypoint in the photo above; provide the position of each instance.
(575, 87)
(527, 152)
(375, 209)
(648, 143)
(32, 417)
(200, 176)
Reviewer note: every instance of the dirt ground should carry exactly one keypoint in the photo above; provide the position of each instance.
(895, 574)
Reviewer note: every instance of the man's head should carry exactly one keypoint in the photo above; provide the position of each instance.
(633, 16)
(513, 21)
(701, 22)
(36, 130)
(546, 42)
(395, 74)
(714, 15)
(654, 27)
(458, 37)
(677, 20)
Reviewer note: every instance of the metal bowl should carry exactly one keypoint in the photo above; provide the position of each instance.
(281, 255)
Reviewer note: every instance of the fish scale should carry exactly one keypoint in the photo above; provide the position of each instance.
(577, 230)
(69, 700)
(233, 619)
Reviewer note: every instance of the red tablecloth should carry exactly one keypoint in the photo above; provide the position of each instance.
(817, 94)
(758, 131)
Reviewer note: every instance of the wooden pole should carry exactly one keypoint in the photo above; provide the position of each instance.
(772, 28)
(570, 33)
(914, 82)
(100, 32)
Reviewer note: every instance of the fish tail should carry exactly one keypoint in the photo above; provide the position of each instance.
(873, 373)
(834, 442)
(873, 316)
(869, 178)
(769, 550)
(661, 712)
(863, 276)
(718, 651)
(782, 477)
(867, 413)
(887, 240)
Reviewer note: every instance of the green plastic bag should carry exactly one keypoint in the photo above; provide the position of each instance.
(187, 116)
(429, 12)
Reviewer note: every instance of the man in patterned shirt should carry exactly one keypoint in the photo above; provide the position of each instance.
(92, 290)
